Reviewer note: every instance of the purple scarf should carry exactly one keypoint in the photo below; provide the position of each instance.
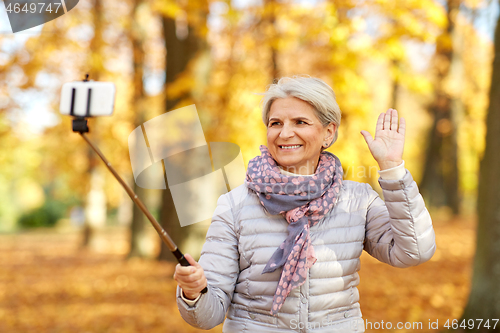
(303, 201)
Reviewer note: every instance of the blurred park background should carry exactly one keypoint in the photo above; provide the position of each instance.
(77, 256)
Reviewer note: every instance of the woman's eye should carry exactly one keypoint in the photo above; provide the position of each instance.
(301, 122)
(274, 123)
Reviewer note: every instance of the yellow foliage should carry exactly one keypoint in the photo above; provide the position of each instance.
(360, 49)
(29, 194)
(166, 7)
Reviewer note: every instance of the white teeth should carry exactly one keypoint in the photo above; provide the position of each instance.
(290, 147)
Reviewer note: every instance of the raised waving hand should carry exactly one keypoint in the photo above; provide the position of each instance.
(388, 145)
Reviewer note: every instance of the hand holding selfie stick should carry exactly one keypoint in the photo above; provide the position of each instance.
(80, 125)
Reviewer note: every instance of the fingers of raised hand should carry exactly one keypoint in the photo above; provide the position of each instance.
(387, 120)
(394, 120)
(402, 126)
(380, 122)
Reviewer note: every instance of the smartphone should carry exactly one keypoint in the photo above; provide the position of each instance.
(87, 98)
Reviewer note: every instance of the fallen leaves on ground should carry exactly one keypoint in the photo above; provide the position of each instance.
(49, 284)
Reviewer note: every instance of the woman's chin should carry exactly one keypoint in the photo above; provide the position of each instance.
(289, 165)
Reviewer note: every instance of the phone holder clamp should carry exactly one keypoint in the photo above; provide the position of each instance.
(80, 125)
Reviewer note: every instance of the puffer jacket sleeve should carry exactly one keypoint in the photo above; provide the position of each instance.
(399, 232)
(220, 262)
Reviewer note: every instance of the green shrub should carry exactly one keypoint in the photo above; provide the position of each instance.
(44, 216)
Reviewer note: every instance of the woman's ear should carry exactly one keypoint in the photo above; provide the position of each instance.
(330, 132)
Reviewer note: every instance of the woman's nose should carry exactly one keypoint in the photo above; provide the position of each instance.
(286, 132)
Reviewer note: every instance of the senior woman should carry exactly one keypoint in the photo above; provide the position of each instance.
(282, 251)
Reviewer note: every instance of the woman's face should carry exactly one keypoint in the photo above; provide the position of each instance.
(295, 135)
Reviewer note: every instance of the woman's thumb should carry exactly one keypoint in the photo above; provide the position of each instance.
(367, 136)
(191, 261)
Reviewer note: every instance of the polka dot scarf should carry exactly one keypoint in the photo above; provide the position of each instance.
(303, 201)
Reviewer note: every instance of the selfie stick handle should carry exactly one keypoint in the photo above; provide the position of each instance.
(163, 234)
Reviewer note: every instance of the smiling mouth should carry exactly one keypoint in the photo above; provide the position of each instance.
(290, 146)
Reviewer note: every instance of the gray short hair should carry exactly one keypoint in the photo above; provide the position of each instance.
(309, 89)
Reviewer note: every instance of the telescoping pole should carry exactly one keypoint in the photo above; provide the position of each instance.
(163, 234)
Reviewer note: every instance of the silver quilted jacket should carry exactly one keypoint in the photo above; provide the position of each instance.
(243, 236)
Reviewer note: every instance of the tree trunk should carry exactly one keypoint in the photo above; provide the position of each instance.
(137, 36)
(182, 44)
(395, 83)
(439, 183)
(270, 19)
(484, 299)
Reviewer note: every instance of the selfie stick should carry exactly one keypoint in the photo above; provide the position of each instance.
(80, 125)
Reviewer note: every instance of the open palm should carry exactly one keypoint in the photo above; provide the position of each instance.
(388, 145)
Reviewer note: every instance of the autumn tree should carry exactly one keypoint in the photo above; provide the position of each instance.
(269, 26)
(61, 55)
(95, 204)
(57, 55)
(440, 180)
(484, 298)
(184, 32)
(137, 36)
